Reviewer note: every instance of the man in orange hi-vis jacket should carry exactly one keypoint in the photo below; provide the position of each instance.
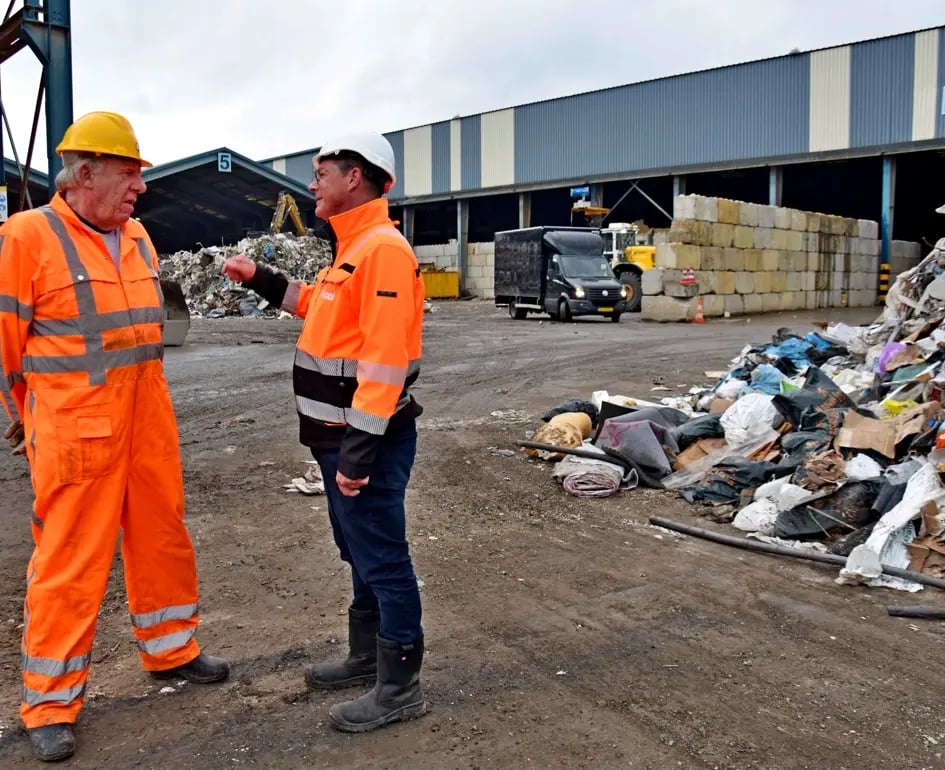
(355, 360)
(83, 382)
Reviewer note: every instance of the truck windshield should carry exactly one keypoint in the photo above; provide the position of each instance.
(585, 266)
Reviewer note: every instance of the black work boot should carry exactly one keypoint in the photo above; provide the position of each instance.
(52, 742)
(360, 668)
(203, 669)
(396, 695)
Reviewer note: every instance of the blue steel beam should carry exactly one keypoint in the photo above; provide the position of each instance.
(888, 207)
(50, 39)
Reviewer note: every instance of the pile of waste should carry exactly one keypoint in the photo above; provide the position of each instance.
(832, 440)
(210, 294)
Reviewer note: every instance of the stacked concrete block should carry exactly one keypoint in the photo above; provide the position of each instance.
(903, 255)
(480, 269)
(752, 258)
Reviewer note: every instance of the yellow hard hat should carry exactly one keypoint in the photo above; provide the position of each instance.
(102, 133)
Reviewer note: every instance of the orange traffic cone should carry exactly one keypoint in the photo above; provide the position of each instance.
(700, 316)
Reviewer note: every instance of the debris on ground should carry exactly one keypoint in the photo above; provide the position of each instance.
(834, 438)
(311, 483)
(211, 295)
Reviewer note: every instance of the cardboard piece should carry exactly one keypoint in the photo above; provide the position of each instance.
(882, 436)
(698, 450)
(719, 405)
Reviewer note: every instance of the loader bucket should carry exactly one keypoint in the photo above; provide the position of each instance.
(176, 314)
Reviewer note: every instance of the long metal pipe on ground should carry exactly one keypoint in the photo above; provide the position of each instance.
(781, 550)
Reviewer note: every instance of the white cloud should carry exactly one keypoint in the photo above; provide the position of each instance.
(269, 79)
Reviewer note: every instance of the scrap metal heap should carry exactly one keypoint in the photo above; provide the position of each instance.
(209, 294)
(832, 440)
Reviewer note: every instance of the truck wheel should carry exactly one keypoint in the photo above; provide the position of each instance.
(564, 311)
(518, 313)
(634, 291)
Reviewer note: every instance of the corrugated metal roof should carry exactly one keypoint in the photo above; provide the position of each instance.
(441, 157)
(707, 117)
(882, 78)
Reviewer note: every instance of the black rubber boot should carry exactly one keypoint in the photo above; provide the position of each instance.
(203, 669)
(396, 695)
(360, 668)
(52, 742)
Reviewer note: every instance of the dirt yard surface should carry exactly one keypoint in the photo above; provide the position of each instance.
(561, 633)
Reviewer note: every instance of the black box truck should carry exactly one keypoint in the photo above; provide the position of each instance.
(561, 271)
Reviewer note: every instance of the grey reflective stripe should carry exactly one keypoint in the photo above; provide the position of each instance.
(290, 302)
(84, 297)
(34, 698)
(369, 423)
(10, 304)
(318, 410)
(167, 642)
(53, 667)
(383, 373)
(6, 394)
(176, 612)
(110, 359)
(332, 367)
(118, 319)
(145, 251)
(32, 437)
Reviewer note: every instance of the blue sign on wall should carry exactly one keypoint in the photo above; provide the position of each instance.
(580, 192)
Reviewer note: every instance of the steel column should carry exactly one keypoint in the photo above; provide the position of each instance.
(462, 236)
(775, 184)
(524, 210)
(888, 209)
(409, 216)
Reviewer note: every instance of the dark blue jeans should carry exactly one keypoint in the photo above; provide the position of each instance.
(370, 532)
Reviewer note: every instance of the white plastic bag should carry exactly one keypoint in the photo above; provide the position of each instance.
(751, 416)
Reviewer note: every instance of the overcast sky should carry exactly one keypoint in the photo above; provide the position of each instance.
(272, 78)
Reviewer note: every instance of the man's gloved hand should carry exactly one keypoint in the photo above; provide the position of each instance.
(15, 436)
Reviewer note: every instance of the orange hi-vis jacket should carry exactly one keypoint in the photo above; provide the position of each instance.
(81, 365)
(361, 343)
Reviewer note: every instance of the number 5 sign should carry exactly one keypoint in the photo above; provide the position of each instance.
(224, 162)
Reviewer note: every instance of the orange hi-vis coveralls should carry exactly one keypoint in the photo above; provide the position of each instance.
(81, 354)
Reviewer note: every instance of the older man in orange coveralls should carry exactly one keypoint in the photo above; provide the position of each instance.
(82, 381)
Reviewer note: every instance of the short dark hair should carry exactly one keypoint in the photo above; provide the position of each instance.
(373, 175)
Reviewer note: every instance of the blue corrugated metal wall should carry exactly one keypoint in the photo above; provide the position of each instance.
(882, 79)
(941, 82)
(755, 110)
(441, 157)
(470, 131)
(299, 168)
(396, 140)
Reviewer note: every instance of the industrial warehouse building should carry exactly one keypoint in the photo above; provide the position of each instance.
(856, 130)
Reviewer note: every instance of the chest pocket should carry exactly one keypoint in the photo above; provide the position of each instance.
(334, 284)
(63, 296)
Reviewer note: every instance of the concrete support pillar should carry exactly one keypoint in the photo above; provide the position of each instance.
(679, 185)
(462, 239)
(524, 210)
(408, 224)
(775, 184)
(597, 195)
(888, 208)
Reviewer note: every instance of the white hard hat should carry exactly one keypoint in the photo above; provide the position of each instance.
(373, 147)
(940, 210)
